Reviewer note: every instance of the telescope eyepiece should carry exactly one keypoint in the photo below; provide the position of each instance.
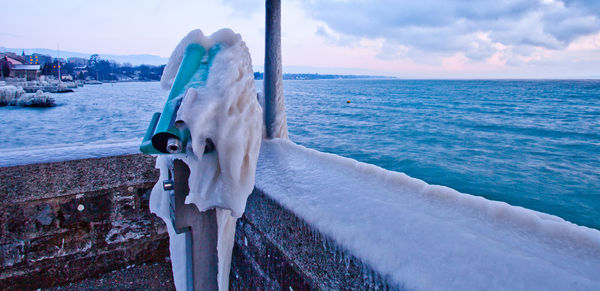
(173, 145)
(210, 146)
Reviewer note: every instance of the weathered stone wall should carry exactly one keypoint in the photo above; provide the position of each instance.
(276, 250)
(62, 222)
(67, 221)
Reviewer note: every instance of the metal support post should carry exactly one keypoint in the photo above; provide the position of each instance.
(200, 230)
(273, 79)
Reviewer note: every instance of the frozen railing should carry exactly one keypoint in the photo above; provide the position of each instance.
(428, 237)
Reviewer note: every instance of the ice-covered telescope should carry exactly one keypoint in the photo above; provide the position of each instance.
(166, 134)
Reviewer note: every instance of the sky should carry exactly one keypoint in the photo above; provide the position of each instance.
(406, 39)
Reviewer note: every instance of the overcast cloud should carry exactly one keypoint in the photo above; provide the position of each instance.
(405, 38)
(476, 29)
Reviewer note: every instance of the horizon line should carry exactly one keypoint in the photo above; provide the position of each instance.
(296, 67)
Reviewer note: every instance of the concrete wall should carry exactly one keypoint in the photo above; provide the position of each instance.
(62, 222)
(66, 221)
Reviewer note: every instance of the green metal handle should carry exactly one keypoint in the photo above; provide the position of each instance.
(146, 146)
(192, 73)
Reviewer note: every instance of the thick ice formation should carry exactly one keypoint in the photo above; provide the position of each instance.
(279, 124)
(16, 96)
(227, 113)
(428, 237)
(39, 99)
(10, 94)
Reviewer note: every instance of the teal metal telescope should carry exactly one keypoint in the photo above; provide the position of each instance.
(165, 134)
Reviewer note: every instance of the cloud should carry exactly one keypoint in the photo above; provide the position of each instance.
(244, 8)
(440, 29)
(332, 37)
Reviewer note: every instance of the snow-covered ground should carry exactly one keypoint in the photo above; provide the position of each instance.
(428, 237)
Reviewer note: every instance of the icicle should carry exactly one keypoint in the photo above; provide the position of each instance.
(334, 255)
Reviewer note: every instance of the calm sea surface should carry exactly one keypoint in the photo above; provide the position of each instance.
(529, 143)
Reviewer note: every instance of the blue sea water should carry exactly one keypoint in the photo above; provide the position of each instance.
(532, 143)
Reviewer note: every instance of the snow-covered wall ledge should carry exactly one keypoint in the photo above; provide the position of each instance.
(419, 236)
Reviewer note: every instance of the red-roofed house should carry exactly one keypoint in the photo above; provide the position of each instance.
(12, 66)
(13, 61)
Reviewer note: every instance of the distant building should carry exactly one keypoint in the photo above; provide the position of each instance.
(38, 59)
(80, 71)
(77, 62)
(31, 72)
(32, 60)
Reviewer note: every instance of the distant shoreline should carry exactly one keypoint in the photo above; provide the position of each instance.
(287, 76)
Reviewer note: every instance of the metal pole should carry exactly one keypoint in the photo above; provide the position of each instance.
(201, 234)
(58, 49)
(273, 81)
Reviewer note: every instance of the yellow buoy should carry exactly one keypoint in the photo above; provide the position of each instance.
(347, 101)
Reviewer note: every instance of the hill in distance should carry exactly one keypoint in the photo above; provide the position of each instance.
(142, 59)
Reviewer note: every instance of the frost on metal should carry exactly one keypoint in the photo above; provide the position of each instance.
(227, 114)
(279, 123)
